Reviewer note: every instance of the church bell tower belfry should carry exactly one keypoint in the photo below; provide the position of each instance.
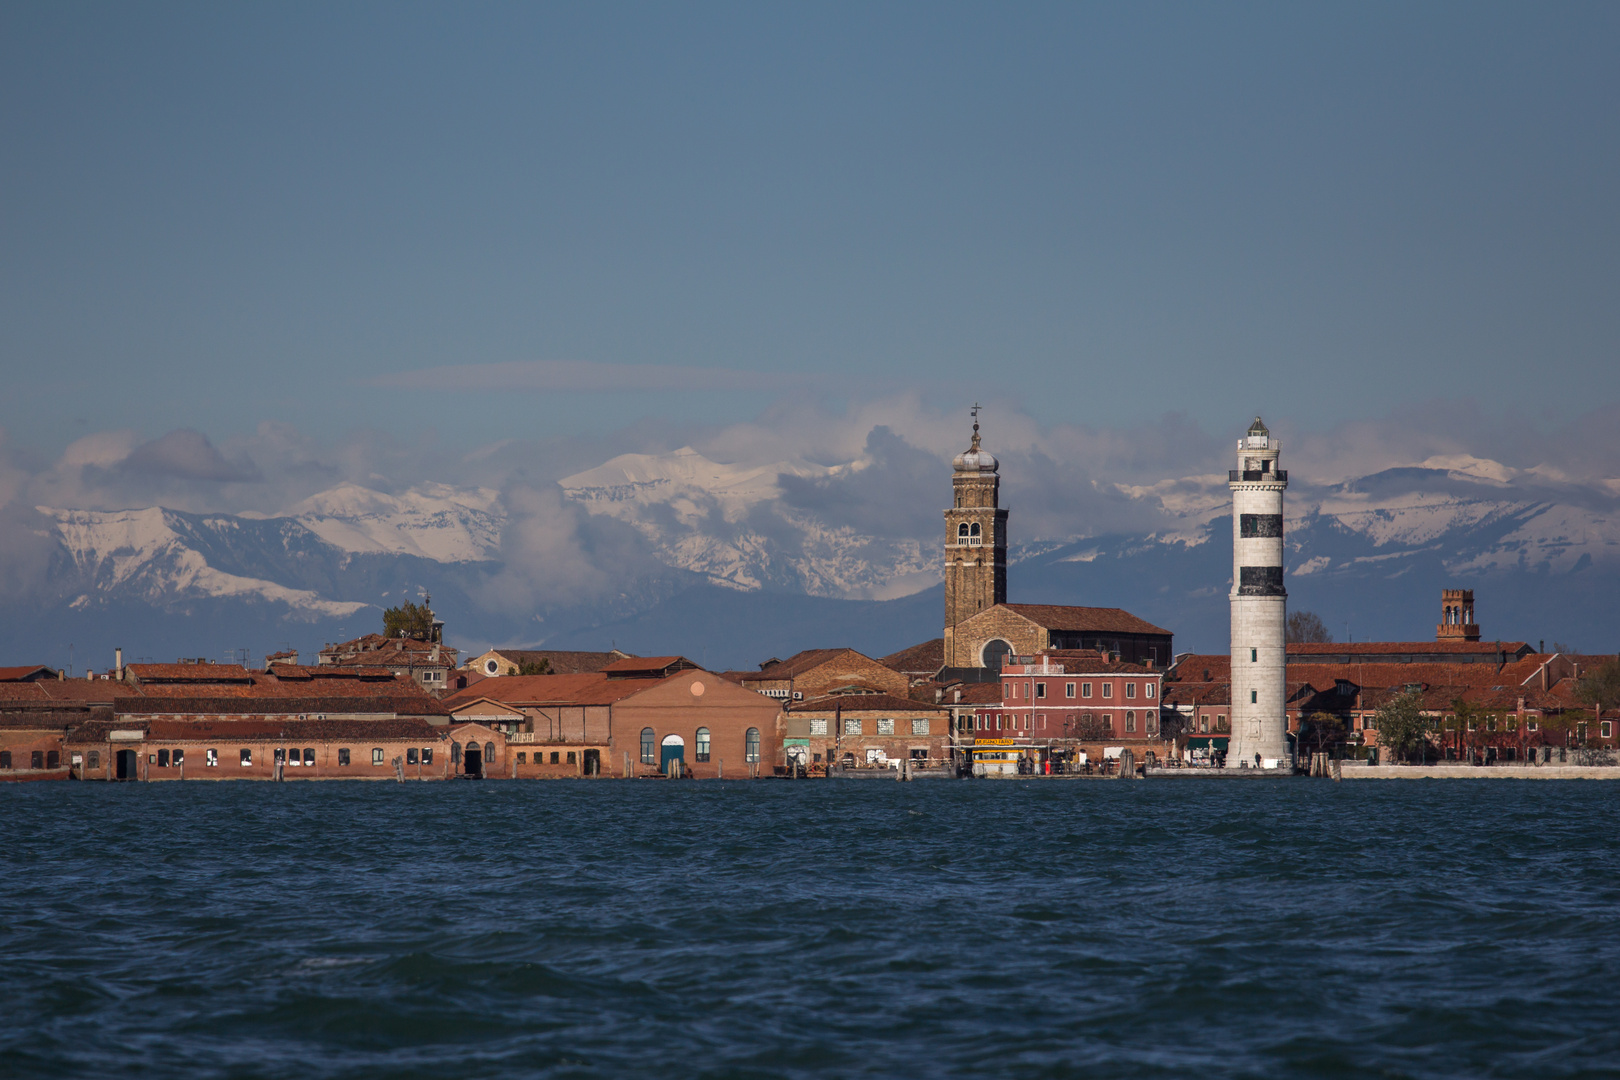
(975, 544)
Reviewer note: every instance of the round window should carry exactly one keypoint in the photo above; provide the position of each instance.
(491, 666)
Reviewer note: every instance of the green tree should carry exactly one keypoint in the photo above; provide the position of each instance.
(408, 620)
(1306, 627)
(1401, 725)
(541, 666)
(1600, 686)
(1324, 729)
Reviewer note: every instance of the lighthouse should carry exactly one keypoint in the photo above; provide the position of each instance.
(1259, 605)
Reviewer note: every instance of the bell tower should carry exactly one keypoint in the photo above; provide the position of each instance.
(975, 544)
(1457, 616)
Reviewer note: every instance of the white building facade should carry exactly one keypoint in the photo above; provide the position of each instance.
(1259, 606)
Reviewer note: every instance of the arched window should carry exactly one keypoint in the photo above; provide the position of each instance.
(975, 530)
(703, 744)
(649, 753)
(751, 745)
(994, 652)
(489, 752)
(962, 531)
(455, 753)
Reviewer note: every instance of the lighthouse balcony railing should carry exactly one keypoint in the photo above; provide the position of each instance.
(1256, 476)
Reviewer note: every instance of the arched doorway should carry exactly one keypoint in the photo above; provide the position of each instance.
(125, 765)
(672, 749)
(993, 653)
(472, 760)
(593, 763)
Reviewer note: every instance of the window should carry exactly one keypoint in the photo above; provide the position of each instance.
(1152, 718)
(1040, 690)
(343, 755)
(962, 531)
(571, 757)
(1130, 721)
(522, 758)
(294, 757)
(212, 757)
(53, 758)
(376, 755)
(649, 754)
(556, 758)
(852, 727)
(1490, 723)
(309, 755)
(1254, 697)
(1530, 725)
(1471, 723)
(1606, 729)
(247, 757)
(1068, 689)
(751, 745)
(885, 726)
(1150, 689)
(1203, 723)
(5, 759)
(1220, 721)
(920, 726)
(489, 752)
(427, 755)
(94, 760)
(1108, 721)
(1108, 689)
(1040, 719)
(818, 725)
(1130, 689)
(410, 756)
(1085, 689)
(1254, 656)
(163, 759)
(703, 744)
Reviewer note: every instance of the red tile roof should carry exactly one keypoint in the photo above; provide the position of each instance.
(516, 691)
(646, 665)
(1100, 620)
(924, 658)
(26, 674)
(188, 673)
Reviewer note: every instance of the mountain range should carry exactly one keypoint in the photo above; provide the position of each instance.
(730, 572)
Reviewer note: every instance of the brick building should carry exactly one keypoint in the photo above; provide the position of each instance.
(497, 662)
(1069, 701)
(636, 716)
(982, 640)
(816, 673)
(975, 545)
(871, 731)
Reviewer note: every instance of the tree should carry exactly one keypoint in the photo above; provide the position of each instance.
(541, 666)
(1324, 729)
(1600, 686)
(1306, 627)
(1401, 725)
(408, 620)
(1090, 728)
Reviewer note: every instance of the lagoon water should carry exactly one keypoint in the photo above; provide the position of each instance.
(1029, 929)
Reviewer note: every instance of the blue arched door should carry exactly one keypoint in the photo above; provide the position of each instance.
(673, 749)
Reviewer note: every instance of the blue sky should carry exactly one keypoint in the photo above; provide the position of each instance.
(494, 222)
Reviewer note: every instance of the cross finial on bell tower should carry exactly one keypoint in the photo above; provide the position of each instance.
(975, 413)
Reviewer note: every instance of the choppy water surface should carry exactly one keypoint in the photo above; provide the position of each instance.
(1038, 928)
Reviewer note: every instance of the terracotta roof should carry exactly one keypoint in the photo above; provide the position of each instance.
(1087, 662)
(1102, 620)
(1409, 648)
(593, 688)
(797, 664)
(973, 693)
(562, 662)
(866, 703)
(1200, 667)
(647, 665)
(26, 674)
(924, 658)
(188, 673)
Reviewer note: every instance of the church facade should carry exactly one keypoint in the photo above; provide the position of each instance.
(981, 628)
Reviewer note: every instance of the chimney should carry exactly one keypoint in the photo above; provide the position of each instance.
(958, 693)
(89, 676)
(118, 664)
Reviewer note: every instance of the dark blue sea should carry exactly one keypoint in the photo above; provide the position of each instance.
(1043, 928)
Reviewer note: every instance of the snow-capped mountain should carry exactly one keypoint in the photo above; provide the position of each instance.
(745, 570)
(728, 524)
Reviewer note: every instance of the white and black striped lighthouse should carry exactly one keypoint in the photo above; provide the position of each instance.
(1259, 605)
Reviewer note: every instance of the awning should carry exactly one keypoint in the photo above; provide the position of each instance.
(1201, 742)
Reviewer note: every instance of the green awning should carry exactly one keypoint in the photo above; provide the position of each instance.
(1212, 742)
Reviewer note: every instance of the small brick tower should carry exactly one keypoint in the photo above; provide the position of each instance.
(975, 544)
(1259, 604)
(1457, 616)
